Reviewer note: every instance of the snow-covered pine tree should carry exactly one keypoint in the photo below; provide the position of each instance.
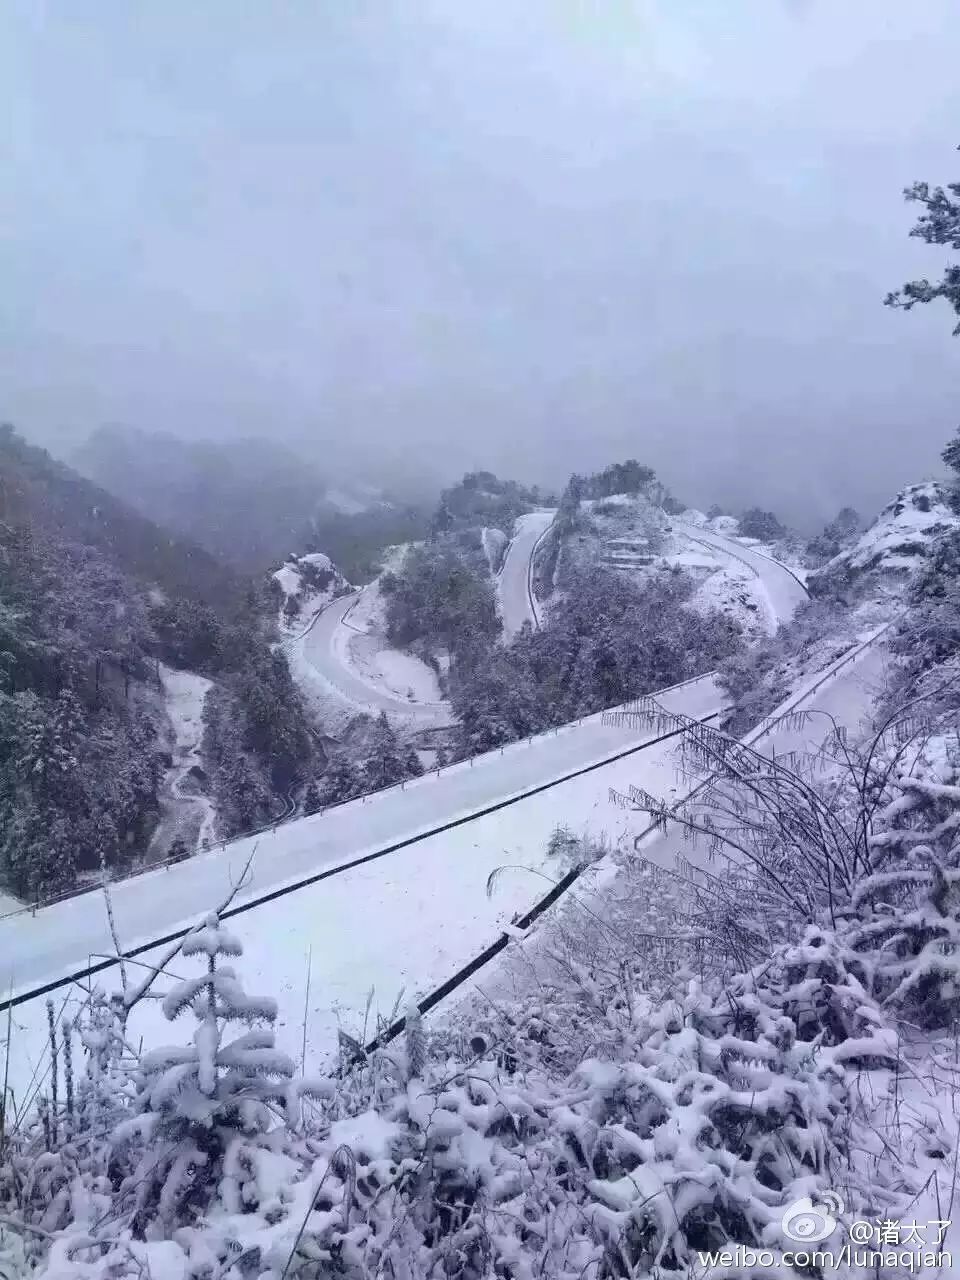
(312, 802)
(202, 1109)
(341, 780)
(384, 765)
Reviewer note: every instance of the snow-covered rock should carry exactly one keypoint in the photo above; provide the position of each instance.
(896, 544)
(307, 582)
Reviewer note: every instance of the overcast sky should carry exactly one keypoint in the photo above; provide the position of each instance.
(531, 235)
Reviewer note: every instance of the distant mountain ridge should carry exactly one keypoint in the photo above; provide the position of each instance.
(246, 501)
(39, 491)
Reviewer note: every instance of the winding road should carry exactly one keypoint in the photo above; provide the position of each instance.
(783, 589)
(514, 587)
(323, 654)
(323, 642)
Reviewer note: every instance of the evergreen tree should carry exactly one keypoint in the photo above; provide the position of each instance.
(312, 802)
(178, 851)
(938, 225)
(951, 454)
(341, 780)
(384, 764)
(203, 1108)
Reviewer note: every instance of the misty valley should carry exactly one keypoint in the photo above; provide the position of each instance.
(480, 644)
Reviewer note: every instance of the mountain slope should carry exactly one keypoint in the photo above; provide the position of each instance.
(247, 501)
(92, 598)
(897, 544)
(39, 491)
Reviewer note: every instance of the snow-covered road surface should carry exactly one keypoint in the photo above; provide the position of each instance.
(407, 919)
(323, 652)
(783, 591)
(59, 938)
(513, 583)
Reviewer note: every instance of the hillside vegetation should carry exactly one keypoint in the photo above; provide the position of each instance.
(92, 596)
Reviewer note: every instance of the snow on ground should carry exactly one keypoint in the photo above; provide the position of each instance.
(694, 518)
(779, 588)
(368, 613)
(896, 544)
(407, 920)
(845, 699)
(344, 663)
(635, 537)
(401, 676)
(407, 676)
(289, 578)
(8, 904)
(185, 811)
(725, 526)
(723, 582)
(612, 500)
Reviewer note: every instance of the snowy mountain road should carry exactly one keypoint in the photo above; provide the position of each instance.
(325, 646)
(323, 654)
(782, 587)
(59, 939)
(513, 584)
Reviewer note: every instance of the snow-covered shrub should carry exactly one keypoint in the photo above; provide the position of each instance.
(55, 1157)
(720, 1108)
(570, 850)
(907, 927)
(485, 1150)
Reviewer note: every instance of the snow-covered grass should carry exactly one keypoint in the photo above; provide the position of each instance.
(406, 676)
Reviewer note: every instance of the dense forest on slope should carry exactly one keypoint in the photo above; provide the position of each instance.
(92, 597)
(483, 499)
(355, 541)
(38, 490)
(607, 640)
